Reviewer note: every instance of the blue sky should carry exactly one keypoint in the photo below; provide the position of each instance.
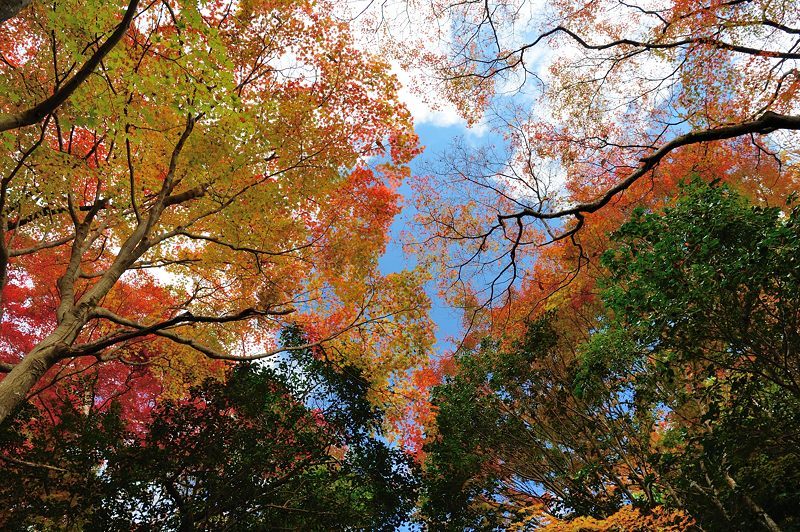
(435, 136)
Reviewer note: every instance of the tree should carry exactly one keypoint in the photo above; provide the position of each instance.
(705, 295)
(9, 8)
(292, 447)
(627, 518)
(676, 400)
(602, 105)
(194, 186)
(514, 442)
(713, 279)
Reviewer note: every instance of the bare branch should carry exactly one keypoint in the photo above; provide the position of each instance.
(234, 247)
(26, 463)
(514, 58)
(38, 247)
(158, 330)
(767, 123)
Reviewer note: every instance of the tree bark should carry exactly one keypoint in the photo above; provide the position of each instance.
(753, 505)
(17, 383)
(10, 8)
(26, 373)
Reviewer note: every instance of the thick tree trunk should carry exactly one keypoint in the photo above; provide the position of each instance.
(10, 8)
(16, 385)
(18, 382)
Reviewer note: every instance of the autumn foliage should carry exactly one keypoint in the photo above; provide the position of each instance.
(189, 188)
(627, 518)
(197, 193)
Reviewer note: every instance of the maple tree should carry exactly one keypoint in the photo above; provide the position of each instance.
(627, 518)
(597, 103)
(188, 187)
(559, 404)
(180, 181)
(10, 9)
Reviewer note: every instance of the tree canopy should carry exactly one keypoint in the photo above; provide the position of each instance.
(204, 323)
(679, 396)
(291, 447)
(191, 184)
(600, 106)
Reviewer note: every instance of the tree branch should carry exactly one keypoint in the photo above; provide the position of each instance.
(234, 247)
(41, 110)
(513, 58)
(31, 464)
(11, 8)
(40, 246)
(767, 123)
(158, 330)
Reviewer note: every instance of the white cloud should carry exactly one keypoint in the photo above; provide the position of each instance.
(421, 104)
(380, 26)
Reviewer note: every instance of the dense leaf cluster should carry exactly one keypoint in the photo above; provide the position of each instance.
(682, 395)
(290, 447)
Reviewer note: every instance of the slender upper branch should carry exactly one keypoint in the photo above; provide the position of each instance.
(514, 58)
(161, 328)
(138, 330)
